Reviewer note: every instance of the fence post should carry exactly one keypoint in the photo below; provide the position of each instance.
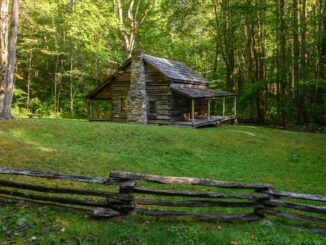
(261, 210)
(125, 189)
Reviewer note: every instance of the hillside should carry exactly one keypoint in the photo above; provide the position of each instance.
(289, 160)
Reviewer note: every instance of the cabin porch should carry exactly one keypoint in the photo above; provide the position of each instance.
(200, 116)
(198, 104)
(213, 121)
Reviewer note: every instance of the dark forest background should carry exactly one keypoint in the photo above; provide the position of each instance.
(271, 52)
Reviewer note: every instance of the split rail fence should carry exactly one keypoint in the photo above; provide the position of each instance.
(249, 201)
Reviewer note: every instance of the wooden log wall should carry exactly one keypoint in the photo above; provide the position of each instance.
(159, 92)
(117, 88)
(262, 202)
(120, 89)
(105, 93)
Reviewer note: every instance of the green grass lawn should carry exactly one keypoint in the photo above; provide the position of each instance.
(290, 161)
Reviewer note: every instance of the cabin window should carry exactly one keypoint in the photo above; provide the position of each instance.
(152, 107)
(123, 105)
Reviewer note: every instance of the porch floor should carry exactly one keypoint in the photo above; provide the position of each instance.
(214, 120)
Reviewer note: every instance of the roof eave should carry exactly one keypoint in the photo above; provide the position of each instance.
(203, 96)
(109, 80)
(191, 82)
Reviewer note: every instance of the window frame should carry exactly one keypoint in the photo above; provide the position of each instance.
(120, 104)
(150, 109)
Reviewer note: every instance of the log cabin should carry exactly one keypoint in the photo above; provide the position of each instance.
(152, 90)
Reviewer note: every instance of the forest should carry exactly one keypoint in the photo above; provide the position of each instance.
(271, 52)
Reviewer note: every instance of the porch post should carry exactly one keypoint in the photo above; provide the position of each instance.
(223, 106)
(193, 111)
(110, 107)
(235, 106)
(90, 110)
(209, 109)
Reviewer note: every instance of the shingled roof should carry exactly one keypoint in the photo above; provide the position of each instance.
(174, 70)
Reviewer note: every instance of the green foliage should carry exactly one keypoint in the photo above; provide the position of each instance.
(252, 89)
(39, 107)
(235, 44)
(20, 98)
(318, 113)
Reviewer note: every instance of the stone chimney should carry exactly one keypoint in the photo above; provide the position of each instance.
(137, 98)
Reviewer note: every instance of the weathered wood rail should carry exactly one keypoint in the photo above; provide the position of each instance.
(253, 201)
(115, 203)
(289, 209)
(250, 201)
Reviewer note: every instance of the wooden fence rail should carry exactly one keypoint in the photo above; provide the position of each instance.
(145, 206)
(115, 202)
(290, 208)
(258, 200)
(189, 181)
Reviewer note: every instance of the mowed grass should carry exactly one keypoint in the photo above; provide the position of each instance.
(290, 161)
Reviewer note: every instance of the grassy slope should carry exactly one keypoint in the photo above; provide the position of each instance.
(291, 161)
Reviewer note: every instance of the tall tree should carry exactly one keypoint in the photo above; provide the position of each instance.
(4, 50)
(224, 43)
(271, 52)
(301, 114)
(9, 84)
(296, 58)
(282, 64)
(322, 39)
(129, 26)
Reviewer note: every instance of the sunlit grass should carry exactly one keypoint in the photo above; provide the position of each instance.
(289, 160)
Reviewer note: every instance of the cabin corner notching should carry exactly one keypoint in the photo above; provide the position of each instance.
(152, 90)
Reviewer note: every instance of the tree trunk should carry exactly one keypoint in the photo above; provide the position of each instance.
(282, 63)
(4, 50)
(9, 88)
(224, 41)
(55, 83)
(72, 5)
(71, 88)
(296, 59)
(252, 62)
(228, 44)
(261, 99)
(29, 80)
(322, 41)
(303, 23)
(134, 21)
